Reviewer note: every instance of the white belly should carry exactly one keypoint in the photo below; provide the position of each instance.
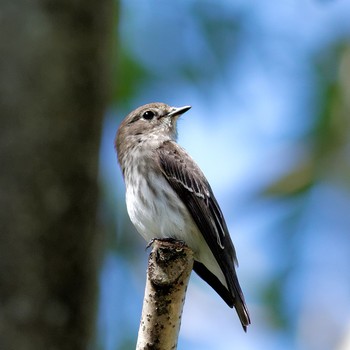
(159, 213)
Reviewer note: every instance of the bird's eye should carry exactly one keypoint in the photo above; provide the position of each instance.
(148, 115)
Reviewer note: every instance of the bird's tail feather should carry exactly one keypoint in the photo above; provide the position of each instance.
(239, 302)
(233, 297)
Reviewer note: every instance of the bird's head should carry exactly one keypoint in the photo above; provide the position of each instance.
(153, 123)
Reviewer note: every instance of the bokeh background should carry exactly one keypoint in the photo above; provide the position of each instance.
(269, 85)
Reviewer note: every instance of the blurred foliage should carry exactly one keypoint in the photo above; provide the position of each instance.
(221, 32)
(217, 32)
(130, 74)
(329, 134)
(273, 296)
(326, 145)
(219, 28)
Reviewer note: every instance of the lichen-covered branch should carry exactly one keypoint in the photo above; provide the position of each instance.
(169, 268)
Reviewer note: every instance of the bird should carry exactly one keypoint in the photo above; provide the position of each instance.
(168, 197)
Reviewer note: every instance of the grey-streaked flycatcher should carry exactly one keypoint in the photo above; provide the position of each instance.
(168, 196)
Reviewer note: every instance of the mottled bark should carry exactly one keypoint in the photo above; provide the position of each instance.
(169, 269)
(54, 58)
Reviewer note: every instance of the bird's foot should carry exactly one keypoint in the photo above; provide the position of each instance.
(166, 240)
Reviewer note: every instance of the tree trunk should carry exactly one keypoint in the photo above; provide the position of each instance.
(53, 69)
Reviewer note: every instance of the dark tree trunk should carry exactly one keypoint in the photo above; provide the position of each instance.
(54, 65)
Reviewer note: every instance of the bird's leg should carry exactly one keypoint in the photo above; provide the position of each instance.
(150, 243)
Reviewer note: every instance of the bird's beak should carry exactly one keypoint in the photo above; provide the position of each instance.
(178, 111)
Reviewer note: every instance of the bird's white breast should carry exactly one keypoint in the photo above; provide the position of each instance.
(157, 212)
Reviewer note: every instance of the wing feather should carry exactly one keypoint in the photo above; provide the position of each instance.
(188, 181)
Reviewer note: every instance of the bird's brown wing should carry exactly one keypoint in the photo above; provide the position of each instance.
(188, 181)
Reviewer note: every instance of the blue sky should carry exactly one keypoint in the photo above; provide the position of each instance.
(253, 105)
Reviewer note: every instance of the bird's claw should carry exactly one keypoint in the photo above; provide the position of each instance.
(168, 239)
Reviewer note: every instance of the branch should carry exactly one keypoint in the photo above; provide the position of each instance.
(169, 268)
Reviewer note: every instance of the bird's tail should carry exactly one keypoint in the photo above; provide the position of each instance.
(242, 312)
(239, 302)
(232, 296)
